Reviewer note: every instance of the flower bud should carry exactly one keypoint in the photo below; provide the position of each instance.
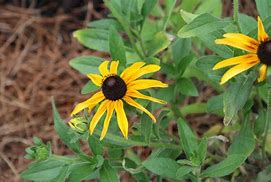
(79, 125)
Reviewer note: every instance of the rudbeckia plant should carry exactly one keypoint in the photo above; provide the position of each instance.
(156, 105)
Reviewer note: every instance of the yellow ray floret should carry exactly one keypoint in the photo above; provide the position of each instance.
(236, 60)
(262, 35)
(262, 73)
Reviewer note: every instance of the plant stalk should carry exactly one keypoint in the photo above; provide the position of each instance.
(268, 117)
(235, 13)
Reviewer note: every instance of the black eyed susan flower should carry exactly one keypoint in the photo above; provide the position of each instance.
(118, 88)
(259, 52)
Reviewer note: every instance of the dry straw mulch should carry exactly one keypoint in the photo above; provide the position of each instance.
(34, 55)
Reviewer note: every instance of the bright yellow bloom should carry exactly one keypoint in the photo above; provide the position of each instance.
(115, 89)
(259, 52)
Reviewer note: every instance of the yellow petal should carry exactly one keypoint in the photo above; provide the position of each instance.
(131, 70)
(262, 73)
(145, 83)
(110, 109)
(136, 94)
(236, 70)
(236, 60)
(142, 71)
(96, 98)
(241, 37)
(131, 102)
(121, 117)
(103, 68)
(262, 35)
(96, 79)
(114, 67)
(241, 43)
(97, 116)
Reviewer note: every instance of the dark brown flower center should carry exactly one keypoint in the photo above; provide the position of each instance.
(264, 52)
(114, 88)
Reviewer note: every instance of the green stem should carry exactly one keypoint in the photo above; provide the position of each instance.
(235, 13)
(259, 100)
(268, 116)
(118, 140)
(139, 39)
(176, 111)
(131, 38)
(142, 46)
(235, 10)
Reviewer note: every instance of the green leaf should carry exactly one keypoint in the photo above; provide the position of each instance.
(202, 149)
(180, 49)
(141, 177)
(165, 153)
(107, 173)
(148, 6)
(62, 175)
(80, 171)
(157, 44)
(187, 87)
(105, 24)
(246, 23)
(215, 8)
(184, 170)
(189, 142)
(188, 17)
(140, 4)
(260, 124)
(64, 132)
(95, 145)
(201, 25)
(183, 65)
(169, 8)
(86, 64)
(131, 166)
(263, 8)
(89, 87)
(215, 105)
(131, 10)
(115, 153)
(146, 125)
(156, 127)
(244, 143)
(116, 45)
(96, 39)
(236, 96)
(225, 167)
(206, 64)
(195, 108)
(162, 166)
(209, 42)
(117, 13)
(46, 170)
(116, 140)
(189, 5)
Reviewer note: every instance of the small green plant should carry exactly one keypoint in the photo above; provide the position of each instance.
(146, 36)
